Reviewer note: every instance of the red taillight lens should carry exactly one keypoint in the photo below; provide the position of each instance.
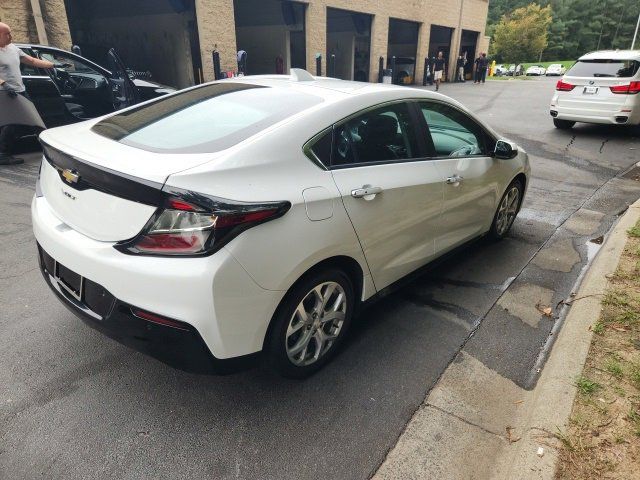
(628, 89)
(183, 228)
(564, 86)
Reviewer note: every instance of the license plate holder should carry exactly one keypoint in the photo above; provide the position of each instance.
(69, 280)
(590, 90)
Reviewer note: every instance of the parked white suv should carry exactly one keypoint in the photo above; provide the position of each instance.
(257, 214)
(602, 87)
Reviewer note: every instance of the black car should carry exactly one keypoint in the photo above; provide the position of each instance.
(82, 89)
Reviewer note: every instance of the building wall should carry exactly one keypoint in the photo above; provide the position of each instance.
(441, 12)
(216, 26)
(18, 15)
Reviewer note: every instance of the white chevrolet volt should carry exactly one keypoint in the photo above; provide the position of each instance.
(256, 215)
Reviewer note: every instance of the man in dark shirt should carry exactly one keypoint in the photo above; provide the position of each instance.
(439, 66)
(482, 62)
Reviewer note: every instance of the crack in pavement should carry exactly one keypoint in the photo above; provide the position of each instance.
(603, 144)
(464, 420)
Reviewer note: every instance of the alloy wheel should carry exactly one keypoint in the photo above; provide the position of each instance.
(508, 210)
(316, 323)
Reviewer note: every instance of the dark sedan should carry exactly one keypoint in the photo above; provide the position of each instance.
(82, 89)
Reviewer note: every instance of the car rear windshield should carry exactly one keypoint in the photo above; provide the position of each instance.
(204, 119)
(604, 68)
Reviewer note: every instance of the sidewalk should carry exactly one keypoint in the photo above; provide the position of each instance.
(475, 424)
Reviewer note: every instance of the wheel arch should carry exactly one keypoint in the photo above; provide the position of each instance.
(347, 264)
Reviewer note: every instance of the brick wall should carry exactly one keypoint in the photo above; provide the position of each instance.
(216, 26)
(18, 15)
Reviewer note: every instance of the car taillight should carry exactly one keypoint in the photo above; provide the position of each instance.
(628, 89)
(187, 227)
(564, 86)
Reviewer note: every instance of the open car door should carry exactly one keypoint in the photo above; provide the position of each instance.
(123, 91)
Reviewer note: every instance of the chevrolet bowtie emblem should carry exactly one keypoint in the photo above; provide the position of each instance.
(70, 176)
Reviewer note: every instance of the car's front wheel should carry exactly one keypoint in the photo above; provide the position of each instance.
(507, 210)
(311, 323)
(563, 124)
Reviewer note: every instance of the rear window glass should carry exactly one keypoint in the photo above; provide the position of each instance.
(604, 68)
(206, 119)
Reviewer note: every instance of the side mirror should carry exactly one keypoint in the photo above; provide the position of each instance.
(505, 150)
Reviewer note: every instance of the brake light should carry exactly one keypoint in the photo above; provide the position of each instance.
(564, 86)
(628, 89)
(199, 227)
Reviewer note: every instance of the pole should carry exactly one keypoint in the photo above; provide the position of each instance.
(633, 43)
(37, 17)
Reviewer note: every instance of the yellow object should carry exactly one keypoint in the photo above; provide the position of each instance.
(492, 69)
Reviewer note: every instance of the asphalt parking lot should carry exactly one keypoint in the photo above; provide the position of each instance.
(75, 404)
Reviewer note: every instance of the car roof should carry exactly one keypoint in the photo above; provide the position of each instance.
(612, 55)
(333, 88)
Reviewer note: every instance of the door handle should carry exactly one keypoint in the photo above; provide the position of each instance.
(454, 179)
(365, 191)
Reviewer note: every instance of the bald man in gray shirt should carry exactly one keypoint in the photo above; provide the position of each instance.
(11, 84)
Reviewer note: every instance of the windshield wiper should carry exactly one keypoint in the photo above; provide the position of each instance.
(603, 75)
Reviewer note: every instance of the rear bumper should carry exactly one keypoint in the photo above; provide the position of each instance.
(605, 113)
(181, 348)
(225, 310)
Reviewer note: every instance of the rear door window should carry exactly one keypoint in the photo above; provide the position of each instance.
(385, 134)
(604, 68)
(204, 119)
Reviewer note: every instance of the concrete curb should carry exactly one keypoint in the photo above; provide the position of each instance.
(476, 424)
(552, 399)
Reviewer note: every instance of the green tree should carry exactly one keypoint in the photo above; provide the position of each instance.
(521, 36)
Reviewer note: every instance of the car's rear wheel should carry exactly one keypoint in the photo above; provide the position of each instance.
(507, 210)
(311, 323)
(563, 124)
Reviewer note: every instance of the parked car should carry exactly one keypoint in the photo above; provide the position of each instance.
(535, 70)
(517, 68)
(405, 68)
(601, 87)
(500, 70)
(555, 69)
(83, 89)
(258, 214)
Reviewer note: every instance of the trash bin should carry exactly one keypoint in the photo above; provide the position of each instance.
(387, 76)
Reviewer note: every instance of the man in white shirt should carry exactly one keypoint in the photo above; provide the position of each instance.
(11, 85)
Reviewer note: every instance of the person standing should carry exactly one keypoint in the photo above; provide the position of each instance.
(439, 66)
(460, 68)
(482, 62)
(12, 86)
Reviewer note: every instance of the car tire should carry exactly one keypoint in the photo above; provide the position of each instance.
(298, 347)
(507, 211)
(563, 124)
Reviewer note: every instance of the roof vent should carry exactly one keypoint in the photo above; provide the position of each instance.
(301, 75)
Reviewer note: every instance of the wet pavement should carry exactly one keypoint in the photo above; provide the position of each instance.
(75, 404)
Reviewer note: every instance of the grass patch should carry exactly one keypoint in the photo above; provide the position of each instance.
(586, 386)
(602, 439)
(614, 368)
(634, 231)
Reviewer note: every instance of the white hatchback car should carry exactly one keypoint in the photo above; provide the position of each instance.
(257, 214)
(601, 87)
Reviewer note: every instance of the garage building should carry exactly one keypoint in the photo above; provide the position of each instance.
(175, 39)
